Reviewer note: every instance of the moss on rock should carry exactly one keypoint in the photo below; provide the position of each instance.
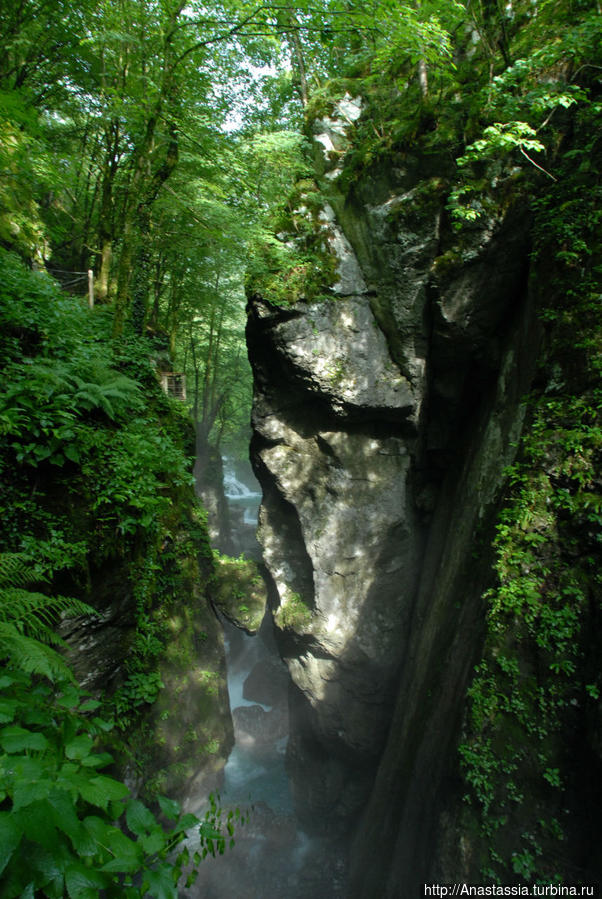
(293, 613)
(238, 590)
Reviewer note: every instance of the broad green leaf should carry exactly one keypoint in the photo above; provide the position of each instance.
(97, 760)
(97, 827)
(64, 815)
(185, 823)
(8, 708)
(27, 791)
(169, 807)
(80, 747)
(70, 698)
(71, 452)
(109, 842)
(83, 882)
(28, 768)
(18, 739)
(101, 790)
(139, 819)
(160, 883)
(50, 866)
(90, 705)
(10, 836)
(35, 820)
(122, 864)
(154, 842)
(38, 717)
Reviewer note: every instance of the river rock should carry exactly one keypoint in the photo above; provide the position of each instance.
(253, 726)
(267, 683)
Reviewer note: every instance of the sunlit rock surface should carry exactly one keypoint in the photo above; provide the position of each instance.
(383, 419)
(332, 427)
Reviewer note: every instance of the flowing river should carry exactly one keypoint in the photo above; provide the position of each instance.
(272, 857)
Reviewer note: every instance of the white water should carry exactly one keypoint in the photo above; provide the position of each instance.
(239, 495)
(272, 858)
(255, 769)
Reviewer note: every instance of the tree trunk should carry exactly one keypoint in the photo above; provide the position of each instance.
(135, 252)
(423, 78)
(106, 218)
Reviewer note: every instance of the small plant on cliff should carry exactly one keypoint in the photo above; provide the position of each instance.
(293, 613)
(238, 590)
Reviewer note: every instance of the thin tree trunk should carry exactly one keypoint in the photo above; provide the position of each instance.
(147, 179)
(299, 64)
(106, 219)
(423, 78)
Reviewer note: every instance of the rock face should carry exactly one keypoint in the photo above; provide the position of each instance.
(338, 523)
(383, 419)
(178, 738)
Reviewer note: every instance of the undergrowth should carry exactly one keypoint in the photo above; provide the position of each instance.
(536, 691)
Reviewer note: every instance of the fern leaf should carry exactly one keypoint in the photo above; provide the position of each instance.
(15, 569)
(28, 613)
(30, 656)
(34, 610)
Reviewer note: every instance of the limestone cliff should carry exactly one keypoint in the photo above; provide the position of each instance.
(383, 420)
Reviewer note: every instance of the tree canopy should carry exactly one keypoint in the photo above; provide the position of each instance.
(154, 142)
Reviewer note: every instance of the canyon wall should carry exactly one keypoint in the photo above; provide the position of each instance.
(384, 417)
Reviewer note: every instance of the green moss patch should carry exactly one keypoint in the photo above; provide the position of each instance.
(239, 591)
(294, 613)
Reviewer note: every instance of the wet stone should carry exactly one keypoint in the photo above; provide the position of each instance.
(267, 683)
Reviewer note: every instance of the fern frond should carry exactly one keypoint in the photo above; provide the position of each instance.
(35, 612)
(52, 378)
(15, 569)
(29, 655)
(27, 615)
(118, 390)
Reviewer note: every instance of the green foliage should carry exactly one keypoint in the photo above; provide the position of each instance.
(297, 262)
(66, 828)
(539, 677)
(98, 494)
(28, 619)
(238, 590)
(69, 829)
(129, 473)
(43, 410)
(293, 612)
(408, 35)
(21, 224)
(525, 106)
(68, 406)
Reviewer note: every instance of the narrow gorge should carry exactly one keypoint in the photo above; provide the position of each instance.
(383, 421)
(301, 445)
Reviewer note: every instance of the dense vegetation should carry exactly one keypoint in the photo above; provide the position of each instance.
(95, 480)
(534, 705)
(164, 146)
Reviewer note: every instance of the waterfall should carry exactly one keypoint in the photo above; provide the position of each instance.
(243, 497)
(258, 688)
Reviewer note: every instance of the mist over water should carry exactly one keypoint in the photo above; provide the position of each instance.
(255, 770)
(272, 857)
